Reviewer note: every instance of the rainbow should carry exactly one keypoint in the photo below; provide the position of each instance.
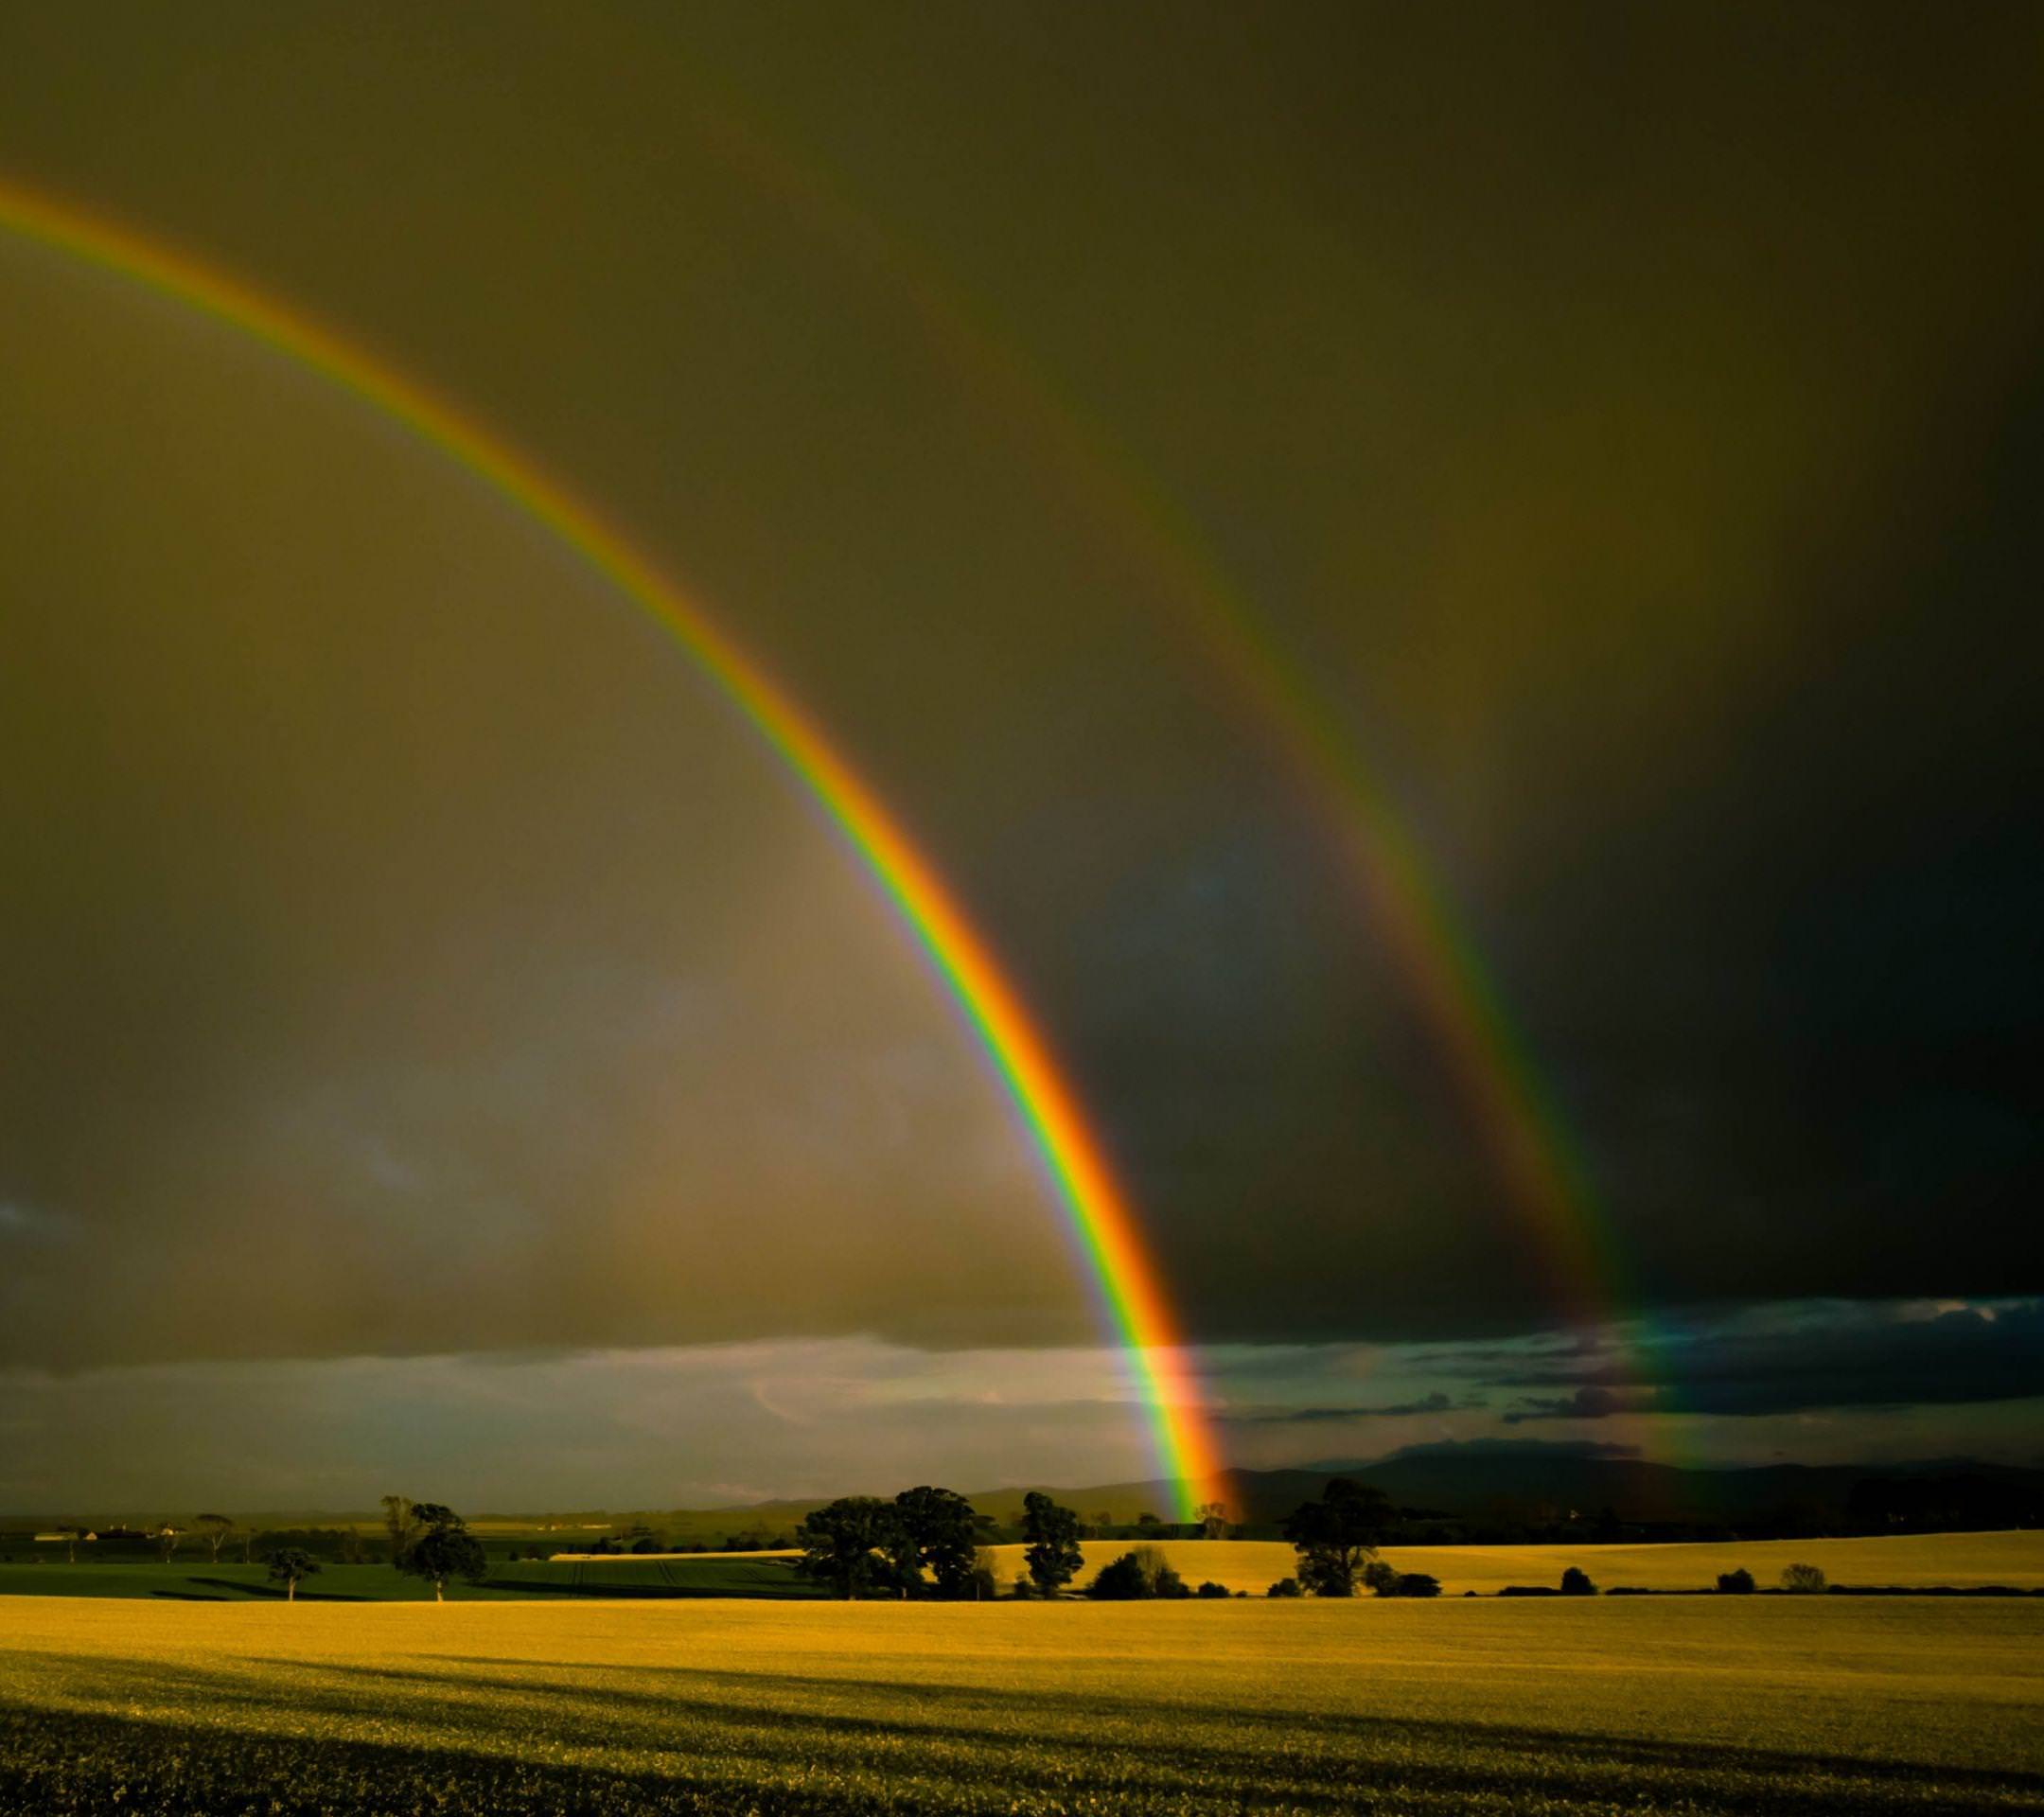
(1533, 1151)
(1099, 1215)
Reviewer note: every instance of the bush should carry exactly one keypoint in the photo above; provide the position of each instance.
(1416, 1583)
(1210, 1589)
(1283, 1587)
(1379, 1580)
(1529, 1590)
(1024, 1586)
(1138, 1575)
(1576, 1583)
(1803, 1581)
(1736, 1583)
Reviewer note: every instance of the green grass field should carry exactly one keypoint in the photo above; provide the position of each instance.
(1708, 1705)
(189, 1580)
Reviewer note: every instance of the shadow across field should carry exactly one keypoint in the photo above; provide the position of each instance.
(715, 1741)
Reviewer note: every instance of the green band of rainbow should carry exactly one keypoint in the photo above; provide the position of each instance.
(1098, 1216)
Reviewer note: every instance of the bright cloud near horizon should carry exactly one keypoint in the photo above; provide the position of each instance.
(426, 1002)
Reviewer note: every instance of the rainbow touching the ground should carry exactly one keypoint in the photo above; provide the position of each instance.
(1100, 1217)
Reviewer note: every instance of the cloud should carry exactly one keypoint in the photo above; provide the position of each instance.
(1517, 1447)
(654, 1428)
(1775, 1360)
(403, 949)
(1436, 1402)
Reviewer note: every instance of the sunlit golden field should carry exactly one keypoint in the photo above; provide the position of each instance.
(1959, 1559)
(1708, 1703)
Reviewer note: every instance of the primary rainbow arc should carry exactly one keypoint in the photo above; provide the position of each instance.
(1094, 1208)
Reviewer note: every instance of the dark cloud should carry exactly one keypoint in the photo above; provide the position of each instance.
(1635, 435)
(1530, 1448)
(1436, 1402)
(1840, 1357)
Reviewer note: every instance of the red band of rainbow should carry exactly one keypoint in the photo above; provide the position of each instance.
(1097, 1213)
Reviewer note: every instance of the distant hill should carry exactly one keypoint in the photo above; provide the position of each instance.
(1480, 1488)
(1532, 1482)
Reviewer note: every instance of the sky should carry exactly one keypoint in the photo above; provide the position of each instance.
(440, 1042)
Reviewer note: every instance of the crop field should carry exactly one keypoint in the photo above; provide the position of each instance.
(1959, 1560)
(1777, 1704)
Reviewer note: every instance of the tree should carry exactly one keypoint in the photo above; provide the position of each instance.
(1212, 1589)
(1124, 1581)
(1213, 1520)
(215, 1530)
(1050, 1543)
(1284, 1587)
(445, 1548)
(852, 1544)
(1384, 1579)
(1336, 1536)
(1576, 1583)
(166, 1542)
(1803, 1581)
(985, 1580)
(1736, 1583)
(400, 1521)
(940, 1534)
(287, 1563)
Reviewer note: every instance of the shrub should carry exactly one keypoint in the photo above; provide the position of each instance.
(1417, 1583)
(1576, 1583)
(1803, 1581)
(1124, 1581)
(1379, 1580)
(1529, 1590)
(1736, 1583)
(1283, 1587)
(1167, 1585)
(1024, 1586)
(1210, 1589)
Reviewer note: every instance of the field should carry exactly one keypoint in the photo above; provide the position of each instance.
(194, 1580)
(1776, 1705)
(1917, 1558)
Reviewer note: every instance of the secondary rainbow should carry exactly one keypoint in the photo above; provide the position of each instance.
(1099, 1215)
(1533, 1150)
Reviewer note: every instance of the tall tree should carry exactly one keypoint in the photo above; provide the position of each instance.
(445, 1548)
(400, 1521)
(1336, 1536)
(1050, 1543)
(939, 1533)
(852, 1545)
(214, 1529)
(288, 1564)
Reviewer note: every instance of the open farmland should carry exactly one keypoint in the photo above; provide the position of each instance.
(721, 1574)
(1917, 1560)
(1712, 1704)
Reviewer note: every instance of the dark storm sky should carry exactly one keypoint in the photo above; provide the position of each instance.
(1632, 419)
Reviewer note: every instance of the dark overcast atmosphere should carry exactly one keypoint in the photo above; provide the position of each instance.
(1632, 420)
